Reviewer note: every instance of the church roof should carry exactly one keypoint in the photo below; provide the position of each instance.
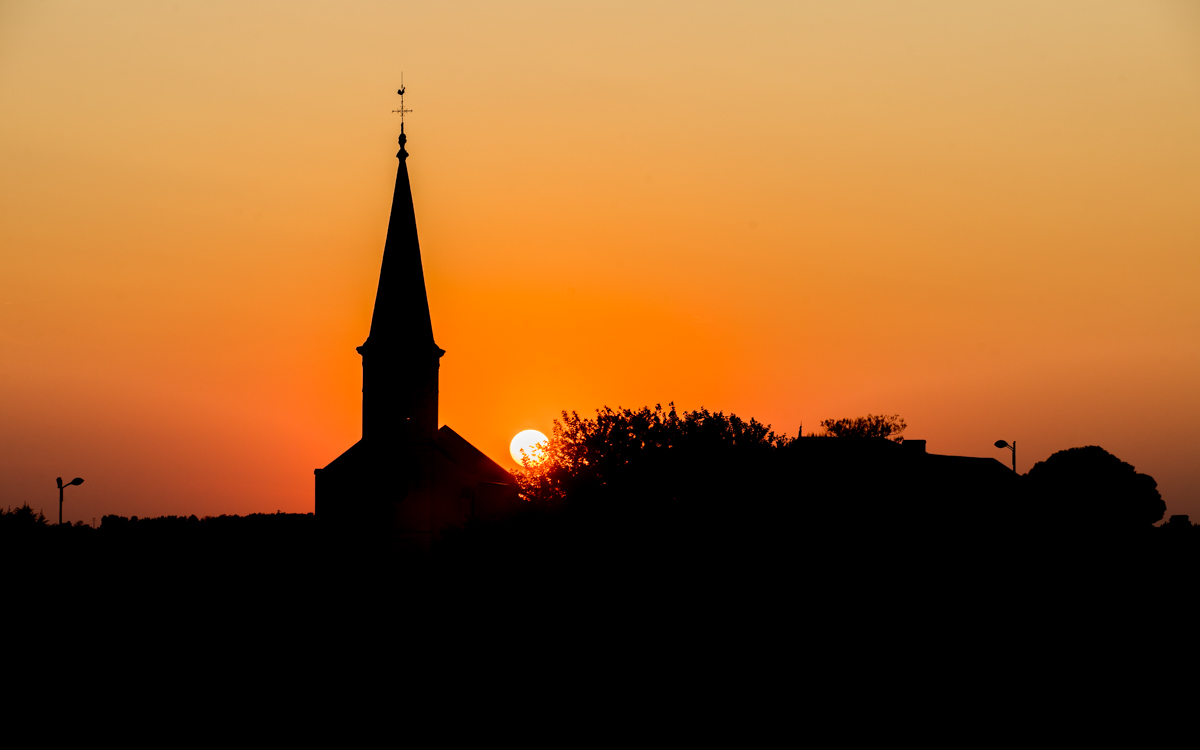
(359, 458)
(401, 317)
(463, 454)
(351, 459)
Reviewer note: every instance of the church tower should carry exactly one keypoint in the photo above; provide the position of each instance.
(407, 479)
(400, 359)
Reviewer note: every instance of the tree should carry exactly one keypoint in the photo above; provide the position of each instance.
(648, 454)
(870, 426)
(635, 490)
(1091, 487)
(21, 519)
(20, 525)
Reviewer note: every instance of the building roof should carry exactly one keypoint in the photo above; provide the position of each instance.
(462, 453)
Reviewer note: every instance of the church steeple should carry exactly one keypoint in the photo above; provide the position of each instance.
(401, 304)
(407, 479)
(400, 358)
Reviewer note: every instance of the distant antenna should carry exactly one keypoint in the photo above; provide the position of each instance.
(402, 110)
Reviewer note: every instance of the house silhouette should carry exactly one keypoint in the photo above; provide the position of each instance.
(897, 486)
(407, 479)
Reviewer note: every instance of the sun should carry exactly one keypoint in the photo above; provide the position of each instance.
(526, 440)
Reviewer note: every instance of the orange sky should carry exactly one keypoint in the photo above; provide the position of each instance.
(981, 216)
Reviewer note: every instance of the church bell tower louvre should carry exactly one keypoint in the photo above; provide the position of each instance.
(406, 479)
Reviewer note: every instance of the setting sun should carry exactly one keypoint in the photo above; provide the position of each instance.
(530, 441)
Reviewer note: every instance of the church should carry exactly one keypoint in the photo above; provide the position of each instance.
(407, 479)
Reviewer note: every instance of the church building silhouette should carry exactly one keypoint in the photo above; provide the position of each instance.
(407, 478)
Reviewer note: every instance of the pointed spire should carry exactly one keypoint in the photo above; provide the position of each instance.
(400, 358)
(401, 316)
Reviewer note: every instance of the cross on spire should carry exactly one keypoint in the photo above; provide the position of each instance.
(402, 110)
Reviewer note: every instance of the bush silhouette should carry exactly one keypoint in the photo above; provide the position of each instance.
(1090, 487)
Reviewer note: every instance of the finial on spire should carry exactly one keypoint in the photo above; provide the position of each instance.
(402, 110)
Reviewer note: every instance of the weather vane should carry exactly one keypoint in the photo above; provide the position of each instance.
(402, 110)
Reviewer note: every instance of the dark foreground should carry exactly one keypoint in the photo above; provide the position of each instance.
(544, 560)
(573, 613)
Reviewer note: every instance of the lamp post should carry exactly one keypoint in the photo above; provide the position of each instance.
(76, 480)
(1013, 448)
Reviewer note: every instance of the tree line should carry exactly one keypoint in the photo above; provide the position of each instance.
(655, 483)
(661, 457)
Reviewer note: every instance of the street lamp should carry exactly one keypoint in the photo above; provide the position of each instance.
(76, 480)
(1013, 448)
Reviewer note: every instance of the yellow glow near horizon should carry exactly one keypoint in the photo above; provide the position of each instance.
(530, 441)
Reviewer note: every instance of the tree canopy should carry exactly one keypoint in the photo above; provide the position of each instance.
(1091, 487)
(18, 520)
(648, 452)
(889, 427)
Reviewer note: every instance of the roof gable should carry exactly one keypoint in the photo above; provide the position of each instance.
(462, 453)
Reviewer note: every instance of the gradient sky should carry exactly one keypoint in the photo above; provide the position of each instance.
(982, 216)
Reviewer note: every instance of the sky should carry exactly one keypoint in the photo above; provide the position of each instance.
(984, 217)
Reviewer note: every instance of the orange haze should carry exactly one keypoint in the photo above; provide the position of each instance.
(982, 216)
